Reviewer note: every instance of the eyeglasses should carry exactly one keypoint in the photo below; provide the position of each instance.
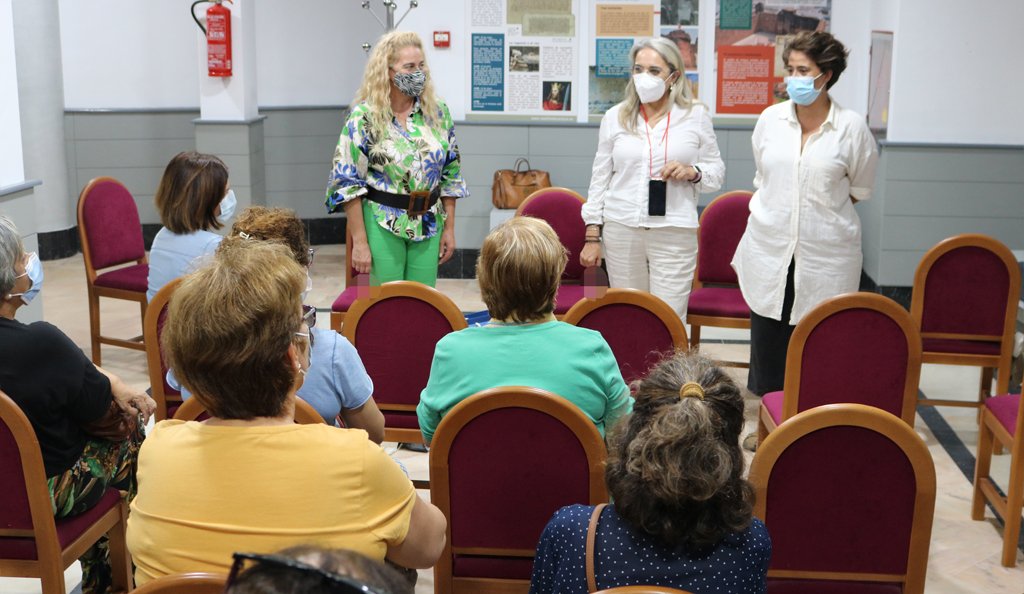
(345, 585)
(309, 315)
(312, 253)
(308, 336)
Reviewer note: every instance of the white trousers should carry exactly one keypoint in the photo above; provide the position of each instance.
(659, 260)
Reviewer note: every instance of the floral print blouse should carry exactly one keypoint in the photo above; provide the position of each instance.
(419, 157)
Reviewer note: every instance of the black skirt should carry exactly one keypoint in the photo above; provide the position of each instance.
(769, 341)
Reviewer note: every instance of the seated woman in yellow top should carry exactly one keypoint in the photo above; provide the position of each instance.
(250, 479)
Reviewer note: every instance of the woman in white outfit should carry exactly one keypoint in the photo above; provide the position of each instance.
(656, 153)
(815, 160)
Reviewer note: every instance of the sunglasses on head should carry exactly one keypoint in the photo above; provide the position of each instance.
(309, 315)
(343, 584)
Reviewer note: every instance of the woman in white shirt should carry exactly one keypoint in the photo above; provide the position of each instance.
(656, 153)
(802, 244)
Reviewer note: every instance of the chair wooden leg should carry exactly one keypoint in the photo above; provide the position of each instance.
(94, 326)
(120, 558)
(52, 579)
(694, 336)
(982, 468)
(1014, 501)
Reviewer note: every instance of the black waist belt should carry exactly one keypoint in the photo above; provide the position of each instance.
(416, 203)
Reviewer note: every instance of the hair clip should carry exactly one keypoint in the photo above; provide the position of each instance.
(691, 389)
(244, 235)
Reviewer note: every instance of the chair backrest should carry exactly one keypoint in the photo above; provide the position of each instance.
(193, 410)
(859, 347)
(152, 327)
(847, 492)
(502, 462)
(642, 590)
(722, 224)
(395, 330)
(639, 327)
(108, 226)
(966, 288)
(560, 207)
(185, 583)
(25, 507)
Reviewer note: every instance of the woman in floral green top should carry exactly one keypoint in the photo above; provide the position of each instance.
(397, 171)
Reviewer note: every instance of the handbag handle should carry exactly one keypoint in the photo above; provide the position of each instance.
(519, 162)
(591, 537)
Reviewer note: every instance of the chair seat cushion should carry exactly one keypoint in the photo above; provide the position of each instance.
(793, 586)
(972, 347)
(722, 302)
(772, 402)
(510, 568)
(345, 300)
(68, 529)
(568, 296)
(129, 278)
(401, 420)
(1005, 409)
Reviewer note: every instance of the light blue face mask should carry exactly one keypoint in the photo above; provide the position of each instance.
(227, 207)
(801, 89)
(34, 272)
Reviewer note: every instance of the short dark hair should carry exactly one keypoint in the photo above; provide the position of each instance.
(265, 577)
(675, 467)
(190, 191)
(823, 49)
(229, 326)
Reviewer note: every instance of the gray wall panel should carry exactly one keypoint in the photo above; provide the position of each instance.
(304, 122)
(481, 139)
(954, 165)
(577, 142)
(116, 125)
(287, 150)
(128, 153)
(954, 198)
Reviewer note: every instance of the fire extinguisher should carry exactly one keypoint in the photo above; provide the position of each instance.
(218, 37)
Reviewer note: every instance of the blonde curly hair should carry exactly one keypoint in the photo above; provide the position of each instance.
(376, 88)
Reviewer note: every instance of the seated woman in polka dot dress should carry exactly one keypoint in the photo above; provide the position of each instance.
(682, 512)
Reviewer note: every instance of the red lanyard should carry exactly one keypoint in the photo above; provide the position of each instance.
(650, 152)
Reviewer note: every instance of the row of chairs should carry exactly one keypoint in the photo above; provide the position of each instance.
(846, 490)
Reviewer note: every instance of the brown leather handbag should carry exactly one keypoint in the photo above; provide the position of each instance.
(512, 186)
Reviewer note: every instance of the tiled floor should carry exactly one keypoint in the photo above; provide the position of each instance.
(964, 555)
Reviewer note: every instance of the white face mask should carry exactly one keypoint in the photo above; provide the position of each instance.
(650, 88)
(227, 207)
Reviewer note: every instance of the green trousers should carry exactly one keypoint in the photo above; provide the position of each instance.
(397, 258)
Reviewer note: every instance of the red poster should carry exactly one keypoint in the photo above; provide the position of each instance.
(745, 78)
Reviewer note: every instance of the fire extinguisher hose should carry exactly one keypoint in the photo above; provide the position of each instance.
(195, 18)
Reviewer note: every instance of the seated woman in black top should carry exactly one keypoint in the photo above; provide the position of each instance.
(66, 397)
(682, 512)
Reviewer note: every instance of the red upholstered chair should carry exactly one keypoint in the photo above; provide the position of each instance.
(502, 462)
(966, 290)
(348, 296)
(858, 347)
(715, 299)
(642, 590)
(1002, 420)
(395, 330)
(560, 207)
(193, 410)
(111, 235)
(185, 583)
(847, 492)
(640, 328)
(32, 542)
(167, 398)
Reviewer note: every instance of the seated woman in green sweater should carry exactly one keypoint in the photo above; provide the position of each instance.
(519, 269)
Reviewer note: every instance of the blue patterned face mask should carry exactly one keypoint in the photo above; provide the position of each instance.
(801, 89)
(34, 272)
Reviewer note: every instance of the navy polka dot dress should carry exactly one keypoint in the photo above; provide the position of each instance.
(628, 557)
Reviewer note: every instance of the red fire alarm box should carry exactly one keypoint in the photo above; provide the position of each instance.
(442, 39)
